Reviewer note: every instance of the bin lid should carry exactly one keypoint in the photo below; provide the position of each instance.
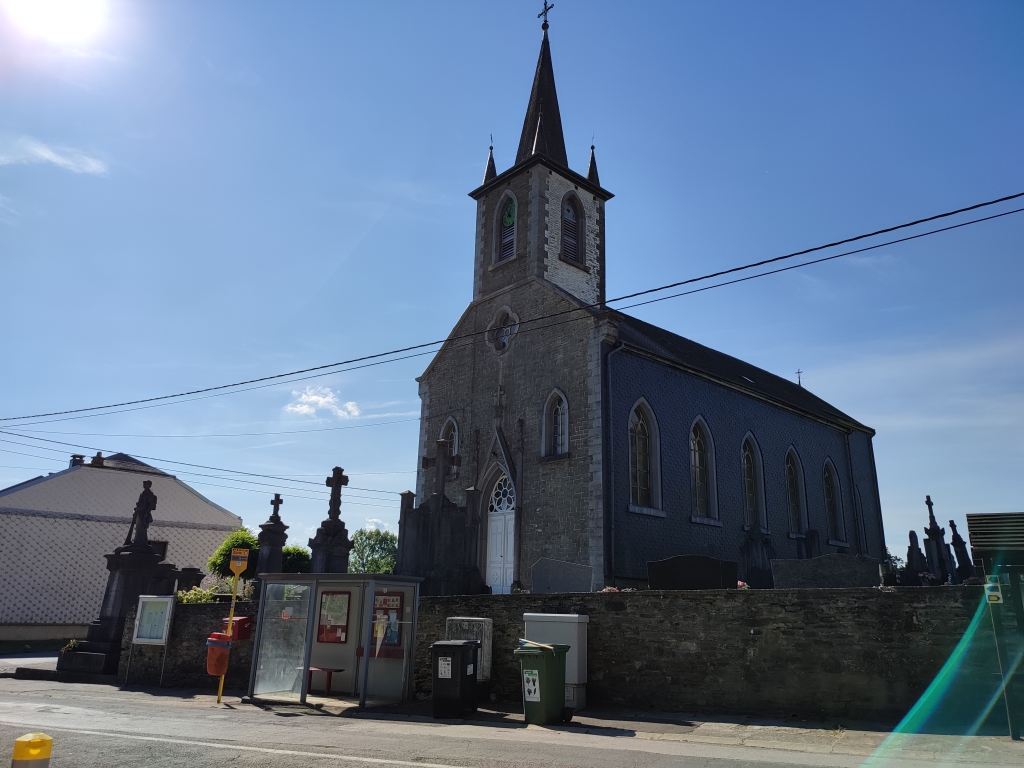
(563, 618)
(454, 643)
(536, 650)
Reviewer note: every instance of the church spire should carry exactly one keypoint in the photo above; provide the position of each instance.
(592, 176)
(543, 136)
(489, 171)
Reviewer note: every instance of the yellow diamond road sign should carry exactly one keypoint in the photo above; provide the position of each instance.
(239, 561)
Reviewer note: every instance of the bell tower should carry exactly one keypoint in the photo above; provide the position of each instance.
(540, 219)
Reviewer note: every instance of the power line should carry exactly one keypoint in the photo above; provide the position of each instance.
(165, 461)
(279, 376)
(226, 434)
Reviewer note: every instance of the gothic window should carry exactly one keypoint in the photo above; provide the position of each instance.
(794, 493)
(450, 432)
(502, 329)
(507, 229)
(503, 496)
(644, 458)
(572, 231)
(556, 425)
(701, 471)
(640, 460)
(833, 512)
(749, 485)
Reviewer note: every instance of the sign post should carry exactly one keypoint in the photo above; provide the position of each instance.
(239, 562)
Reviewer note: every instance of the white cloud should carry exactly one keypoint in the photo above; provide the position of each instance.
(311, 400)
(375, 524)
(28, 151)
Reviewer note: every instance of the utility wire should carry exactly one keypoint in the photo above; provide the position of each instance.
(225, 434)
(279, 376)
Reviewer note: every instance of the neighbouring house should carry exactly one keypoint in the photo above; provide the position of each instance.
(55, 530)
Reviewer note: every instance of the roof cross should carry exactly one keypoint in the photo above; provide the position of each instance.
(798, 380)
(337, 479)
(544, 13)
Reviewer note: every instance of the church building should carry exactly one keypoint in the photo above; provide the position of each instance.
(579, 433)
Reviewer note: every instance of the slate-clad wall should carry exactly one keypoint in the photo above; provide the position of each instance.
(855, 653)
(186, 652)
(677, 398)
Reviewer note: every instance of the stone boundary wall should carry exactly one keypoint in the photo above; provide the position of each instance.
(186, 652)
(865, 653)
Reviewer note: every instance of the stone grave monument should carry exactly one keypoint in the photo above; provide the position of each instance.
(691, 572)
(831, 571)
(330, 548)
(551, 577)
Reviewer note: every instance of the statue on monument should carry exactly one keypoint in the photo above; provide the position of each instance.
(329, 549)
(141, 520)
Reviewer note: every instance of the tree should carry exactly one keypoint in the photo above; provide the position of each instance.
(294, 559)
(219, 563)
(373, 551)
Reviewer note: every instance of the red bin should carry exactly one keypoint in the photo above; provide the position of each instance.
(242, 629)
(218, 648)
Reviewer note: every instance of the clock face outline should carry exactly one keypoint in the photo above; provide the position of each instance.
(508, 215)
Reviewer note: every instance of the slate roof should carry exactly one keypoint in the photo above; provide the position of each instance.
(111, 491)
(542, 129)
(729, 370)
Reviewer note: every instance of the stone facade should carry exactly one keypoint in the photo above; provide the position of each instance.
(850, 653)
(576, 506)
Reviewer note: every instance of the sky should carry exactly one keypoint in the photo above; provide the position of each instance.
(195, 193)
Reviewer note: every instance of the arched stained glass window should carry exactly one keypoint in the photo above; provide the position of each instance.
(571, 220)
(507, 241)
(835, 526)
(751, 502)
(795, 497)
(699, 471)
(640, 459)
(558, 426)
(503, 496)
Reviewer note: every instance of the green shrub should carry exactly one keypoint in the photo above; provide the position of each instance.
(197, 595)
(295, 559)
(219, 563)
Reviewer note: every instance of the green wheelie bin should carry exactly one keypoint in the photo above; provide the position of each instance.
(544, 683)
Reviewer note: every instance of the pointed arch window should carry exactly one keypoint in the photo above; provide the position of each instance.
(572, 229)
(450, 432)
(795, 493)
(833, 510)
(644, 461)
(700, 471)
(754, 513)
(556, 425)
(507, 229)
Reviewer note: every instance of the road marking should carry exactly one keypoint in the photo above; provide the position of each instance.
(267, 750)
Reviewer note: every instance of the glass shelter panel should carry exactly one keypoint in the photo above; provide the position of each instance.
(283, 640)
(391, 649)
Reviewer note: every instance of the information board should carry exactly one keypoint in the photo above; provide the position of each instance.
(333, 626)
(153, 620)
(387, 617)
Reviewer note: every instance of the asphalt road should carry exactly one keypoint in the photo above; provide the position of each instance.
(103, 726)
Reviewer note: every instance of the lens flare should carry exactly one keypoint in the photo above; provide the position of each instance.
(60, 22)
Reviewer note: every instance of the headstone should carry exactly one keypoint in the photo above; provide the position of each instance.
(330, 548)
(552, 577)
(473, 628)
(964, 566)
(272, 539)
(832, 571)
(691, 572)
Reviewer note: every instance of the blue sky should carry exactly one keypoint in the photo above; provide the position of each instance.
(201, 193)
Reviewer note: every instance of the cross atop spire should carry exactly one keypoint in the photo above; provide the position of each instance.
(543, 136)
(544, 14)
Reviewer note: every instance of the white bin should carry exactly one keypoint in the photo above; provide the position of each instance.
(569, 629)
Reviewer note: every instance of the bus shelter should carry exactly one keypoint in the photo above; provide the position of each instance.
(345, 634)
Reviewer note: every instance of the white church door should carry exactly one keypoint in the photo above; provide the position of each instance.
(501, 536)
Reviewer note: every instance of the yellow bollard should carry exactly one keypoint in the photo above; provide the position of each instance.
(32, 751)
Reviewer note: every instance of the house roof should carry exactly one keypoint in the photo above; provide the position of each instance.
(111, 491)
(730, 371)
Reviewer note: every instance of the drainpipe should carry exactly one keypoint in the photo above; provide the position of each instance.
(609, 506)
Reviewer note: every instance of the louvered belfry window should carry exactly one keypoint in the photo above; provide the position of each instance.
(507, 246)
(570, 232)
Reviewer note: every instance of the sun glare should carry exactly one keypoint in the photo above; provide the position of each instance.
(60, 22)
